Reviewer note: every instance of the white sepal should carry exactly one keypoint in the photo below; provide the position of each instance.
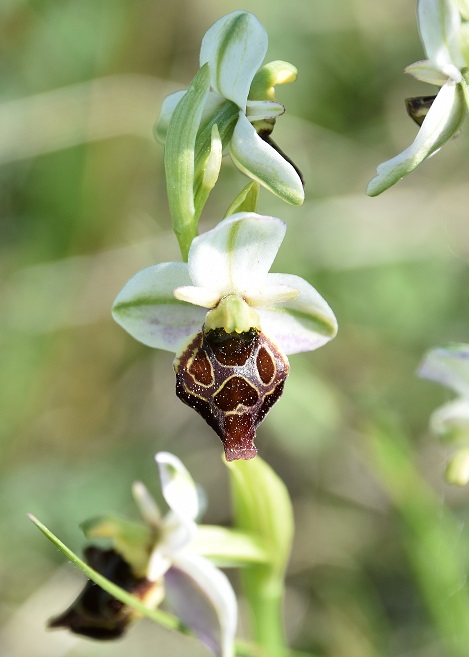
(147, 309)
(237, 254)
(441, 123)
(301, 324)
(202, 597)
(234, 48)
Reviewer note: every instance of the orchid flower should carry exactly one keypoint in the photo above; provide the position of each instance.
(153, 561)
(442, 38)
(450, 367)
(243, 98)
(230, 322)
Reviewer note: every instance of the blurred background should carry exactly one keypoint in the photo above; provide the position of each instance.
(380, 557)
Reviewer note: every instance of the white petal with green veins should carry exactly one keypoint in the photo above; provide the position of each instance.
(254, 157)
(234, 48)
(301, 324)
(147, 309)
(441, 123)
(237, 254)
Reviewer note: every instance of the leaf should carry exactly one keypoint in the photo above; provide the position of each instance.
(262, 506)
(246, 201)
(179, 158)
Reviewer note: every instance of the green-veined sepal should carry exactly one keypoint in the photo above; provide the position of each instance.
(441, 123)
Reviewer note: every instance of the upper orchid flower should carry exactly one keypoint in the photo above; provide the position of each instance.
(443, 40)
(450, 367)
(242, 102)
(230, 322)
(154, 561)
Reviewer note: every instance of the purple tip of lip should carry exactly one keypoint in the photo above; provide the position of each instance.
(236, 454)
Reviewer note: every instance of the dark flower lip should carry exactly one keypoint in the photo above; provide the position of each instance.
(265, 135)
(95, 613)
(418, 107)
(232, 380)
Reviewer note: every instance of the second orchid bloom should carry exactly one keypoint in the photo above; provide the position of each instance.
(230, 322)
(445, 36)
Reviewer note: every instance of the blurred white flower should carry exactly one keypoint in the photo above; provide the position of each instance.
(441, 34)
(450, 367)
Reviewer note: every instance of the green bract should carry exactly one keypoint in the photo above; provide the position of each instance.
(241, 103)
(262, 506)
(442, 37)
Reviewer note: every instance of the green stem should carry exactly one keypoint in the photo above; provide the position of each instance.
(265, 599)
(262, 506)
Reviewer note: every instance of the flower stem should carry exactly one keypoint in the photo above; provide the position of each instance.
(265, 599)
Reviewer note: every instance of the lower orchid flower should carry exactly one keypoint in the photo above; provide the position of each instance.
(230, 322)
(155, 560)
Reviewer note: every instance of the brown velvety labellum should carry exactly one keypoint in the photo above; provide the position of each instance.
(95, 613)
(232, 380)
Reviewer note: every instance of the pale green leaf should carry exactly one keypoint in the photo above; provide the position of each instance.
(179, 158)
(246, 201)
